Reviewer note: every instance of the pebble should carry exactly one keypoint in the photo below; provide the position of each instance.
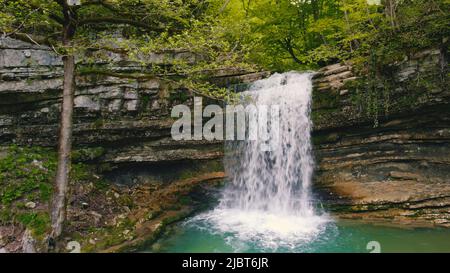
(30, 205)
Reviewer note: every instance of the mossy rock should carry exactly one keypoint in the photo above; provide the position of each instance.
(87, 154)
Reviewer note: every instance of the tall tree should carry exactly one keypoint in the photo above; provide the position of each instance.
(390, 9)
(58, 213)
(67, 26)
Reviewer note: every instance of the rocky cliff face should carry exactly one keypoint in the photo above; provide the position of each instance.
(121, 132)
(394, 166)
(382, 149)
(122, 118)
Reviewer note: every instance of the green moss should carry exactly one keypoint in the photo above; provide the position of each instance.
(179, 96)
(104, 167)
(374, 101)
(97, 72)
(87, 154)
(39, 223)
(98, 123)
(145, 100)
(322, 115)
(6, 216)
(79, 172)
(325, 99)
(126, 200)
(185, 200)
(188, 174)
(106, 236)
(325, 138)
(101, 185)
(153, 214)
(26, 172)
(171, 219)
(45, 191)
(200, 169)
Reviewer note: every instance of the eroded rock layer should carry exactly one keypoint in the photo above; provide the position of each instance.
(394, 165)
(122, 116)
(382, 145)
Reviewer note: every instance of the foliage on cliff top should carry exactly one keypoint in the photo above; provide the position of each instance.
(299, 34)
(276, 35)
(194, 36)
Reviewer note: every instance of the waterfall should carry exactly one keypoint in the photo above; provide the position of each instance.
(276, 181)
(268, 199)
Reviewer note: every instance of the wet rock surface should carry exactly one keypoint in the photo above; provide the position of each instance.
(127, 118)
(122, 130)
(394, 167)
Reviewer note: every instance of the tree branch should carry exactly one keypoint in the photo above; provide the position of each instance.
(52, 15)
(31, 39)
(116, 20)
(56, 18)
(286, 44)
(101, 3)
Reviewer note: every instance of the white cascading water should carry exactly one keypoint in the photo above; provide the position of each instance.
(268, 201)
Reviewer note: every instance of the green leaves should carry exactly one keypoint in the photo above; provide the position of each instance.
(325, 31)
(23, 16)
(195, 36)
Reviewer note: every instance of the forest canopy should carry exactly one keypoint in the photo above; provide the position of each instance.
(295, 34)
(276, 35)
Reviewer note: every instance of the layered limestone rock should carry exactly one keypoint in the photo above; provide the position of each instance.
(392, 166)
(122, 125)
(118, 119)
(382, 146)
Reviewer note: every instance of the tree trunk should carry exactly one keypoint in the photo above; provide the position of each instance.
(61, 186)
(64, 148)
(59, 202)
(390, 7)
(348, 28)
